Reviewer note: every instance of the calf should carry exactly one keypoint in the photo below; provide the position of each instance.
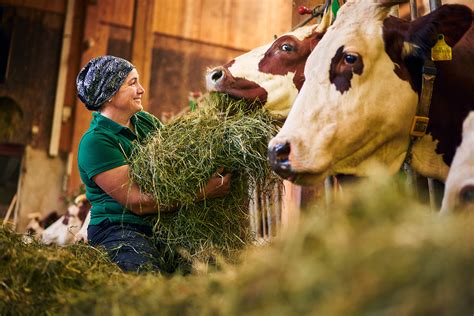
(63, 231)
(38, 223)
(459, 189)
(272, 74)
(362, 85)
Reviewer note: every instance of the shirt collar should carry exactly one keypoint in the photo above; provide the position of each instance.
(114, 127)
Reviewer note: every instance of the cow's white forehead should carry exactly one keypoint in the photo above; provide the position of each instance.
(302, 32)
(357, 28)
(248, 62)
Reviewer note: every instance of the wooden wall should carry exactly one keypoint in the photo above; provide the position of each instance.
(188, 37)
(32, 71)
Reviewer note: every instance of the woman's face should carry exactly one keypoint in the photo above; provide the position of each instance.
(129, 96)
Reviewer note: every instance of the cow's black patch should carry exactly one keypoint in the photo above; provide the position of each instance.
(343, 67)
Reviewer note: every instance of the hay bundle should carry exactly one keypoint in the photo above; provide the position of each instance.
(175, 162)
(36, 279)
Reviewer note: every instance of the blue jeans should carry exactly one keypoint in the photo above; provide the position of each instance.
(130, 246)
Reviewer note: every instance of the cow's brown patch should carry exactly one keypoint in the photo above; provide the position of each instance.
(343, 66)
(452, 92)
(288, 54)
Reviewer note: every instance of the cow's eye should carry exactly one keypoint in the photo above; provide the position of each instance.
(287, 48)
(350, 58)
(467, 194)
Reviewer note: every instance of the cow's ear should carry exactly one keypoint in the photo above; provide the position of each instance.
(452, 21)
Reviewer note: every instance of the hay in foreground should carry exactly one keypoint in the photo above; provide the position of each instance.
(176, 162)
(376, 253)
(36, 279)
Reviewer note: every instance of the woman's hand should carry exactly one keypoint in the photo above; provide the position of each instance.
(217, 186)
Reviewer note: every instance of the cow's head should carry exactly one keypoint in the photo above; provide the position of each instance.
(272, 74)
(459, 189)
(62, 232)
(360, 95)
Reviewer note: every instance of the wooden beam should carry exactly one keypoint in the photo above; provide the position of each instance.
(95, 41)
(142, 43)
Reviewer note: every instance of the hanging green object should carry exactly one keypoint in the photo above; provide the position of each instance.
(335, 7)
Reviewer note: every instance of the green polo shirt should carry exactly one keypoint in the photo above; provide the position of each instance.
(105, 146)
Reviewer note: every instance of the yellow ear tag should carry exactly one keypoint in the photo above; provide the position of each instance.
(441, 50)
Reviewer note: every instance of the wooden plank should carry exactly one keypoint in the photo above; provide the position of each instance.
(96, 37)
(121, 12)
(56, 6)
(70, 98)
(241, 24)
(142, 43)
(61, 82)
(178, 68)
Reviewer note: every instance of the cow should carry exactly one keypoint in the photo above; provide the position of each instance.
(63, 231)
(360, 96)
(459, 189)
(39, 223)
(272, 74)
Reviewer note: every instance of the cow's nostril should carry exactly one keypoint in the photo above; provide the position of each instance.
(282, 151)
(279, 159)
(217, 75)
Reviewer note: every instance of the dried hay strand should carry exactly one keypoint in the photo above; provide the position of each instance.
(176, 161)
(36, 279)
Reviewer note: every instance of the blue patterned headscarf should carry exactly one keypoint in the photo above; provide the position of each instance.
(100, 79)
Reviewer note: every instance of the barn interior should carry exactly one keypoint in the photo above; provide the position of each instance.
(45, 43)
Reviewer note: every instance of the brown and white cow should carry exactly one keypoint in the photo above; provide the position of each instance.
(360, 95)
(39, 223)
(459, 189)
(63, 231)
(272, 74)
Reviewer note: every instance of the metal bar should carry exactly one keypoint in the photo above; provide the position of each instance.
(435, 4)
(329, 190)
(413, 10)
(432, 193)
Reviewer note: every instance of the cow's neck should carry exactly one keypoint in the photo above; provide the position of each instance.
(425, 160)
(451, 102)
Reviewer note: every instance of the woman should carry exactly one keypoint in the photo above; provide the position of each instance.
(110, 87)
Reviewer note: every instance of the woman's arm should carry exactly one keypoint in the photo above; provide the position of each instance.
(116, 183)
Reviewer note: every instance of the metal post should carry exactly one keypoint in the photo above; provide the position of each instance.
(432, 193)
(329, 191)
(413, 10)
(435, 4)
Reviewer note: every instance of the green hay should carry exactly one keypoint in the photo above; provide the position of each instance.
(174, 163)
(36, 279)
(376, 253)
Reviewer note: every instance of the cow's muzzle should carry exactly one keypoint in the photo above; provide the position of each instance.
(278, 157)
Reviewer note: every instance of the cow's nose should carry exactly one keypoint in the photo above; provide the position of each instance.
(278, 157)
